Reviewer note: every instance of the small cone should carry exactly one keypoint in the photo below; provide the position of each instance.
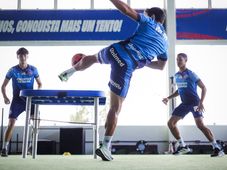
(66, 154)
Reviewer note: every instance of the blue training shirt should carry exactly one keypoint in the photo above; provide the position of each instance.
(187, 82)
(22, 78)
(148, 42)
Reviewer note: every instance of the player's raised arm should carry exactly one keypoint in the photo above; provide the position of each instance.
(158, 65)
(125, 9)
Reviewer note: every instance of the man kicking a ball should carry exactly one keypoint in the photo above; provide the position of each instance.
(148, 42)
(187, 83)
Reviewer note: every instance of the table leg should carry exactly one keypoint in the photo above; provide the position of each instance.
(35, 132)
(26, 128)
(96, 127)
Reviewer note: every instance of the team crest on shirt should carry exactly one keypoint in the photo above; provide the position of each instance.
(29, 72)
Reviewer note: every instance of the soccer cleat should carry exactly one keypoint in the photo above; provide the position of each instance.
(217, 153)
(104, 153)
(4, 153)
(63, 76)
(182, 150)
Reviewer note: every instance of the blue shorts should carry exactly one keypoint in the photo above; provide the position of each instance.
(183, 109)
(122, 67)
(18, 106)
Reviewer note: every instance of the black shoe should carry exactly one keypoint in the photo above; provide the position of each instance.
(4, 153)
(221, 144)
(217, 153)
(182, 150)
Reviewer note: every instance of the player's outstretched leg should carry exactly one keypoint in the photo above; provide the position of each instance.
(111, 123)
(182, 147)
(7, 137)
(84, 63)
(217, 147)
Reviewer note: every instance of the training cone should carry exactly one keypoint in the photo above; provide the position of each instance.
(66, 154)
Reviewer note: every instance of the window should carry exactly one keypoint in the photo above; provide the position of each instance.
(60, 59)
(34, 4)
(6, 4)
(191, 3)
(219, 4)
(209, 63)
(142, 106)
(103, 4)
(74, 4)
(137, 4)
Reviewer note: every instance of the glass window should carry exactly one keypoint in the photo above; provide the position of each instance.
(219, 4)
(142, 106)
(191, 3)
(6, 4)
(103, 4)
(60, 59)
(34, 4)
(209, 63)
(143, 4)
(74, 4)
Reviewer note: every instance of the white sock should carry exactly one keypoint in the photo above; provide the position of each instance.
(5, 145)
(214, 144)
(107, 141)
(70, 71)
(181, 142)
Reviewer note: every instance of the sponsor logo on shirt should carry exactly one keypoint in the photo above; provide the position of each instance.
(24, 80)
(159, 30)
(131, 46)
(182, 84)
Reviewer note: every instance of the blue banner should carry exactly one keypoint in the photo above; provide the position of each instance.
(93, 25)
(202, 24)
(57, 25)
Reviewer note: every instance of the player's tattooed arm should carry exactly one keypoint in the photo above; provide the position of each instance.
(175, 94)
(125, 9)
(39, 83)
(203, 94)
